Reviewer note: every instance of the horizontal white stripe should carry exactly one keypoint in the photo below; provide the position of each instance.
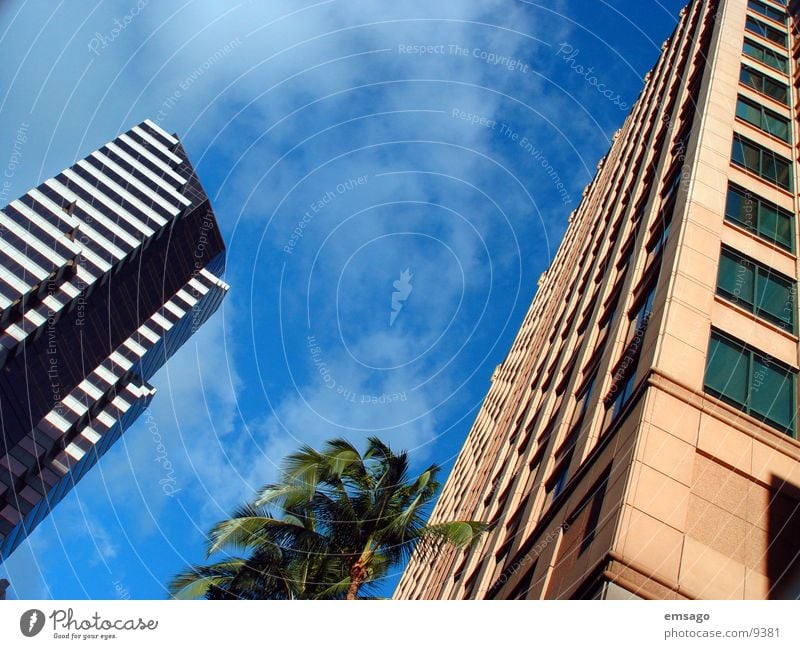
(169, 306)
(91, 435)
(78, 407)
(91, 389)
(161, 131)
(94, 259)
(106, 375)
(149, 174)
(142, 151)
(170, 207)
(15, 331)
(105, 200)
(35, 318)
(107, 419)
(73, 291)
(156, 144)
(135, 347)
(120, 360)
(52, 303)
(31, 239)
(102, 218)
(75, 451)
(161, 321)
(117, 188)
(57, 420)
(45, 225)
(198, 286)
(53, 208)
(15, 282)
(96, 237)
(120, 403)
(23, 260)
(148, 333)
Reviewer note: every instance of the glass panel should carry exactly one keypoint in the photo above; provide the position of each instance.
(752, 157)
(753, 50)
(775, 90)
(748, 112)
(769, 168)
(751, 78)
(726, 370)
(736, 279)
(783, 231)
(776, 36)
(756, 27)
(775, 225)
(777, 126)
(746, 155)
(776, 298)
(771, 393)
(740, 208)
(782, 172)
(775, 61)
(765, 10)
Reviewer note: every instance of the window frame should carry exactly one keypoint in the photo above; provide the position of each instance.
(743, 141)
(780, 59)
(763, 9)
(757, 229)
(769, 32)
(765, 79)
(760, 273)
(764, 114)
(746, 407)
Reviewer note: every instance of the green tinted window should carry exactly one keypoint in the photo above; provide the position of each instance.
(748, 112)
(771, 393)
(761, 118)
(756, 288)
(727, 370)
(775, 299)
(766, 56)
(736, 279)
(751, 382)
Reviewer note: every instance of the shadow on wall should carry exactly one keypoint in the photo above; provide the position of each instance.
(783, 533)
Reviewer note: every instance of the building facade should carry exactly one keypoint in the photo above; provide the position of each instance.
(640, 438)
(105, 271)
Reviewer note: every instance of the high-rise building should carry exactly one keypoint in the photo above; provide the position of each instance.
(105, 270)
(640, 438)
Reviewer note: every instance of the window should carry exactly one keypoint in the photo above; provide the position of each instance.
(660, 236)
(768, 86)
(757, 385)
(582, 402)
(760, 290)
(625, 374)
(766, 31)
(766, 56)
(762, 162)
(762, 118)
(555, 485)
(765, 10)
(761, 217)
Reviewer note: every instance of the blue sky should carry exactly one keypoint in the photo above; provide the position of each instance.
(342, 143)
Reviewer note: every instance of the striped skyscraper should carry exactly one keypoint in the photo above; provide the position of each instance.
(105, 271)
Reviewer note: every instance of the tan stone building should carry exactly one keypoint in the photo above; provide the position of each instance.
(640, 439)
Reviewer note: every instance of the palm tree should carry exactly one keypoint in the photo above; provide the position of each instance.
(335, 523)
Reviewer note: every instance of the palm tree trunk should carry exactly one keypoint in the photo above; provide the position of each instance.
(357, 575)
